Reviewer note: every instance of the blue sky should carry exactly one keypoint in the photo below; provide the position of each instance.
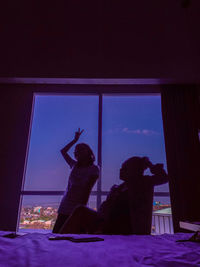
(132, 126)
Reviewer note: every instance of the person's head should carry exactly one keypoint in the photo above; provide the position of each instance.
(134, 166)
(84, 154)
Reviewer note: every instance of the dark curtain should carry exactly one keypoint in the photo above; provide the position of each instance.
(181, 117)
(15, 107)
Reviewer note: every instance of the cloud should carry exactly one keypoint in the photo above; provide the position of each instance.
(138, 131)
(132, 131)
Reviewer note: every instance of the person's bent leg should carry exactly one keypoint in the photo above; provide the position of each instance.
(80, 221)
(60, 221)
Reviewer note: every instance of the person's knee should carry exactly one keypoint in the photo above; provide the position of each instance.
(79, 209)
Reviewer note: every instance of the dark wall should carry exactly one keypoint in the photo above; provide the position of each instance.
(101, 38)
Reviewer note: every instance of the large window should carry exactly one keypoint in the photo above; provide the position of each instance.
(115, 126)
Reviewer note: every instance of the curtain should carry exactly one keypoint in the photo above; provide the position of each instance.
(181, 121)
(15, 106)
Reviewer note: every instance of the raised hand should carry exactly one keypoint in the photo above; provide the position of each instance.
(77, 134)
(156, 168)
(147, 162)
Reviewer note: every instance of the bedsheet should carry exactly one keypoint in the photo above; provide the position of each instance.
(34, 249)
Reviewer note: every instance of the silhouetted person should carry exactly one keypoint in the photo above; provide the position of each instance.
(128, 207)
(141, 191)
(81, 180)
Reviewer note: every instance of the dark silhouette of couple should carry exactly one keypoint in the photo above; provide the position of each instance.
(128, 206)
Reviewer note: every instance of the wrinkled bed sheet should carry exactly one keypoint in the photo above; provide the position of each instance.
(34, 249)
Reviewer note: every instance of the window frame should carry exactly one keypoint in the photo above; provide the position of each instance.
(83, 89)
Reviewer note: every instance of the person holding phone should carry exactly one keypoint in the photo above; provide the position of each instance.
(82, 178)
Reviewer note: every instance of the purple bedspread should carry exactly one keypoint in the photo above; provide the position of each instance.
(34, 249)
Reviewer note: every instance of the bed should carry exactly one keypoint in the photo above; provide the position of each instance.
(35, 249)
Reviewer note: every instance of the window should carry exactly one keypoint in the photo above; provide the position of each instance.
(55, 119)
(115, 126)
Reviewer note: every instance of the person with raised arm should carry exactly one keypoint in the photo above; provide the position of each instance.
(82, 178)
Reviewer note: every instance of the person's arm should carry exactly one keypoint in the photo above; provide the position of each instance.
(92, 180)
(65, 149)
(159, 174)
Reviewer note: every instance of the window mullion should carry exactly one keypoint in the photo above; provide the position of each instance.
(99, 159)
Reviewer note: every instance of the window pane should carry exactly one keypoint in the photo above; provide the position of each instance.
(40, 212)
(162, 216)
(132, 126)
(92, 202)
(55, 120)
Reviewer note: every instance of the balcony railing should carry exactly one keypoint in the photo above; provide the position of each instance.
(162, 223)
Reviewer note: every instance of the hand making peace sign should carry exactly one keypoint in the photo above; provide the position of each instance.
(77, 134)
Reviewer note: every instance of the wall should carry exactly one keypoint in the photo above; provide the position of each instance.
(129, 38)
